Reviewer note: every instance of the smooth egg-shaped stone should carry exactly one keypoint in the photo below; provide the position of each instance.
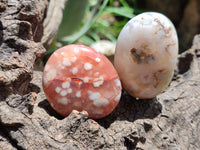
(146, 54)
(76, 77)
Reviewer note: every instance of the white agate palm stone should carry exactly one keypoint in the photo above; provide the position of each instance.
(146, 54)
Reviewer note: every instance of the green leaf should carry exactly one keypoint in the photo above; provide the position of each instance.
(87, 40)
(121, 11)
(93, 17)
(103, 23)
(72, 17)
(95, 36)
(124, 3)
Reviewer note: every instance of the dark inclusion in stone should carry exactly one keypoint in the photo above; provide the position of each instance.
(140, 57)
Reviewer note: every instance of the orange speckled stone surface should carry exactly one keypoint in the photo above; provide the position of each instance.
(76, 77)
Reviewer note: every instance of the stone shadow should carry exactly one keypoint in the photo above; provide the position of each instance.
(131, 109)
(47, 107)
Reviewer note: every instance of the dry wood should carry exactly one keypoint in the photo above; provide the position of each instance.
(27, 121)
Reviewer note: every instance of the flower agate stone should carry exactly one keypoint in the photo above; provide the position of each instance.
(146, 54)
(76, 77)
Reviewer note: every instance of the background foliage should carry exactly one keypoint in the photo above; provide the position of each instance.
(88, 21)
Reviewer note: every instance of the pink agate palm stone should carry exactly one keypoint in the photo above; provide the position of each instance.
(76, 77)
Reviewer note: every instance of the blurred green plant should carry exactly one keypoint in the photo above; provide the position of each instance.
(72, 17)
(88, 21)
(110, 23)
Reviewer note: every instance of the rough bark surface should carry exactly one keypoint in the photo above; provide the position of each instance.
(170, 121)
(20, 34)
(25, 27)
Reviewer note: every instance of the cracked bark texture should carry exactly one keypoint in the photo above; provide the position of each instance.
(26, 26)
(20, 33)
(170, 121)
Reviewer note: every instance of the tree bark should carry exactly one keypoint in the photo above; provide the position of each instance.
(25, 28)
(27, 121)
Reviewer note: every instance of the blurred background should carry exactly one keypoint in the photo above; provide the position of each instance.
(91, 22)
